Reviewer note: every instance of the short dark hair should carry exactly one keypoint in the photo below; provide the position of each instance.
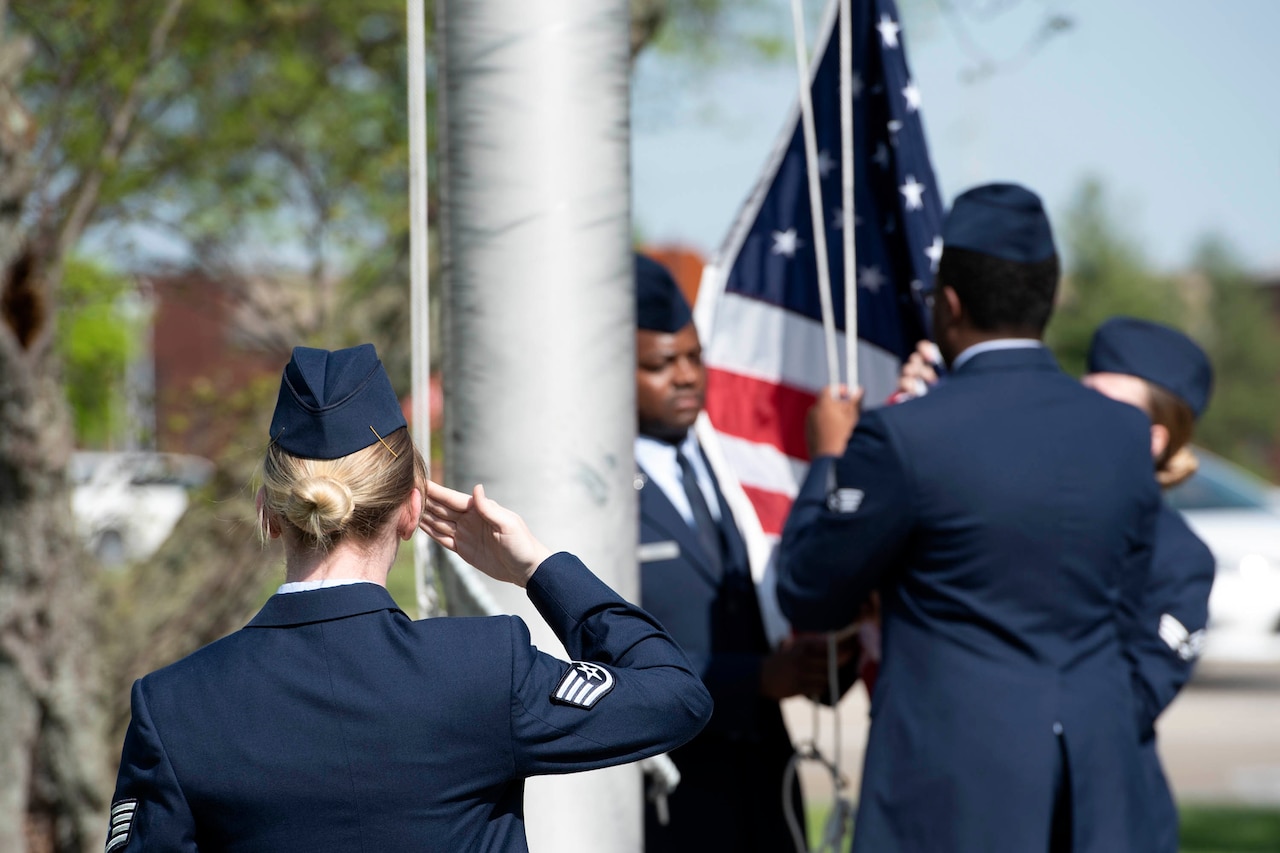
(1001, 295)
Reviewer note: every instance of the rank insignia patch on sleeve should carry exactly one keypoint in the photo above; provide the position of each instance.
(122, 814)
(845, 501)
(1185, 644)
(583, 685)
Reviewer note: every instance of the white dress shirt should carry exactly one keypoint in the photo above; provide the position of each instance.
(658, 459)
(307, 586)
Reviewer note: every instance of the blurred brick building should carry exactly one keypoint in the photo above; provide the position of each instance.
(212, 383)
(684, 263)
(206, 375)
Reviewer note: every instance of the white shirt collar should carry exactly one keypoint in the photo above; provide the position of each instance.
(991, 346)
(658, 459)
(307, 586)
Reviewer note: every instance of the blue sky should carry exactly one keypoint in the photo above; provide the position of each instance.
(1173, 104)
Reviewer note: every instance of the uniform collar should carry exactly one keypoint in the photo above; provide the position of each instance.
(308, 586)
(1006, 358)
(994, 346)
(323, 605)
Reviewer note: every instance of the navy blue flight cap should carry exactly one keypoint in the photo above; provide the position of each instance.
(1155, 353)
(1001, 220)
(333, 403)
(660, 306)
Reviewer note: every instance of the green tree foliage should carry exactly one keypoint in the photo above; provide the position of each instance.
(1106, 275)
(1241, 337)
(100, 328)
(1217, 304)
(264, 142)
(704, 31)
(261, 141)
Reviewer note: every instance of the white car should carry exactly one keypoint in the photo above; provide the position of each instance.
(1235, 514)
(126, 504)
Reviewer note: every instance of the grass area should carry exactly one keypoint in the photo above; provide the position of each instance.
(816, 820)
(1205, 829)
(1230, 829)
(400, 582)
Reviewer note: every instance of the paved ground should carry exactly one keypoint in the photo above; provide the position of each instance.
(1220, 739)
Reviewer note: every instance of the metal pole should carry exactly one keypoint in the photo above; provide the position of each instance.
(419, 282)
(539, 354)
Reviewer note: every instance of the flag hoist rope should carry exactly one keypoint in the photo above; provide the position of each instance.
(847, 209)
(419, 305)
(841, 810)
(815, 196)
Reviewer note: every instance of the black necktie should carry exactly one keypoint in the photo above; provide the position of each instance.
(704, 523)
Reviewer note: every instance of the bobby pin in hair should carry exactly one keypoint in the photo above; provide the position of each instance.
(384, 444)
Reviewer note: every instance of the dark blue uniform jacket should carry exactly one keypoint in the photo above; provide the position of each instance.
(730, 792)
(1008, 519)
(1172, 618)
(335, 722)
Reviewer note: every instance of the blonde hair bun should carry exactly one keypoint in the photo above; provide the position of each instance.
(321, 506)
(352, 497)
(1177, 467)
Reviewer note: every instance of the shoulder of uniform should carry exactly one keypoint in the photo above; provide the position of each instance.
(197, 659)
(940, 397)
(1174, 528)
(1123, 422)
(470, 626)
(908, 418)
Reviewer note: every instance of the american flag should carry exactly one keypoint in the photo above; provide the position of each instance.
(758, 309)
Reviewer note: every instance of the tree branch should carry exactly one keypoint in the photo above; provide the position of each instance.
(90, 189)
(647, 17)
(121, 126)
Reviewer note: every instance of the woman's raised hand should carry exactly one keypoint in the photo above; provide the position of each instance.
(483, 532)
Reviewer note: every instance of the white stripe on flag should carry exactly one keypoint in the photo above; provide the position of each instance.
(763, 341)
(763, 466)
(760, 546)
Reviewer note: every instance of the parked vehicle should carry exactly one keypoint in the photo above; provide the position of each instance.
(126, 504)
(1236, 516)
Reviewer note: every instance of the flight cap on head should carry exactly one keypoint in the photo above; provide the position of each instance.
(1004, 221)
(660, 306)
(1156, 353)
(333, 403)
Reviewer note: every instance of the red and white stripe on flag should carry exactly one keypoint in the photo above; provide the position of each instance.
(766, 366)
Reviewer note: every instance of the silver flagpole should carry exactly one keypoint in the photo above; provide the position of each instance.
(419, 284)
(815, 196)
(539, 332)
(847, 208)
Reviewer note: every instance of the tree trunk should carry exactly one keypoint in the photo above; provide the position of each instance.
(52, 766)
